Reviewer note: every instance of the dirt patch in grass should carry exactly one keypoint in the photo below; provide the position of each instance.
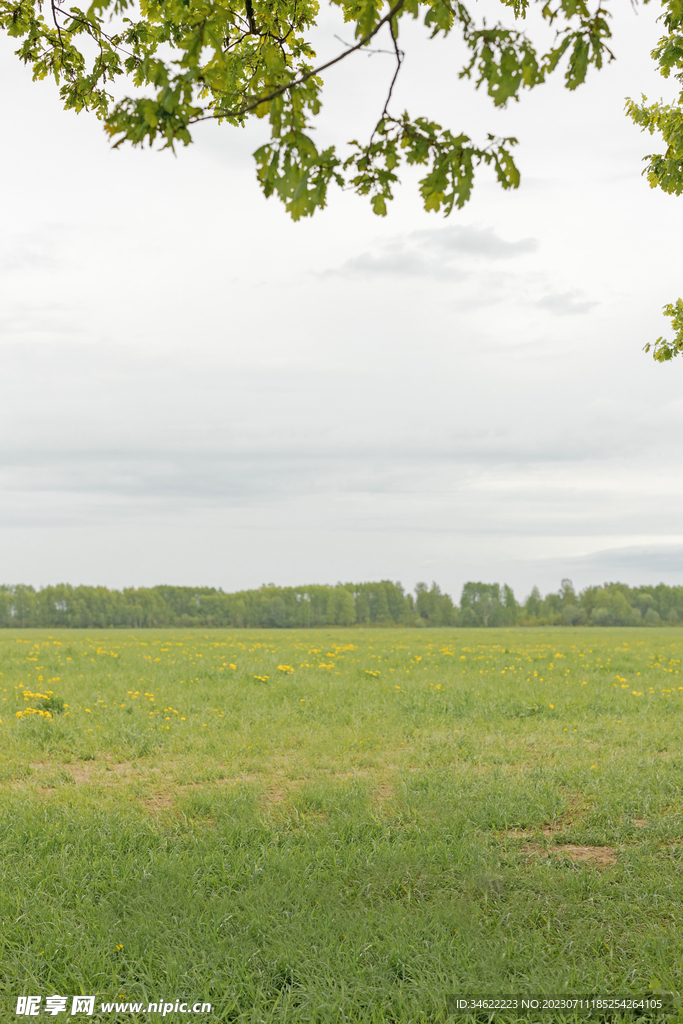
(159, 788)
(276, 795)
(386, 790)
(81, 774)
(578, 805)
(357, 773)
(166, 797)
(158, 801)
(596, 856)
(602, 856)
(553, 828)
(84, 772)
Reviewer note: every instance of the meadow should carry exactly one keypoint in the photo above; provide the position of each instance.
(355, 825)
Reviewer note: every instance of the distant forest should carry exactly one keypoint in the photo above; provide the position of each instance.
(347, 604)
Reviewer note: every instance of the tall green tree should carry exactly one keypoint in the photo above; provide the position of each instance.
(433, 607)
(486, 604)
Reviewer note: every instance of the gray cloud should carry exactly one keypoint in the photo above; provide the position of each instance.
(33, 251)
(38, 322)
(213, 475)
(467, 240)
(641, 564)
(653, 561)
(402, 261)
(434, 253)
(462, 253)
(565, 303)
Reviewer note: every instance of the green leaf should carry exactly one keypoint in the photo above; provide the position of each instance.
(663, 350)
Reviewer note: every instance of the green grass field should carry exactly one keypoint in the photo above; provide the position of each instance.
(344, 825)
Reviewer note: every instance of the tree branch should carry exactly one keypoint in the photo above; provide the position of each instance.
(309, 74)
(91, 33)
(57, 25)
(399, 60)
(250, 17)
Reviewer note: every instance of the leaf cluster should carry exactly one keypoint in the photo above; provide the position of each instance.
(663, 350)
(665, 170)
(180, 62)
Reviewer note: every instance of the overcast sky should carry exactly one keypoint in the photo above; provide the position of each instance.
(195, 390)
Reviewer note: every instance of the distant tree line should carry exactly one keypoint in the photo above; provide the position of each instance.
(348, 604)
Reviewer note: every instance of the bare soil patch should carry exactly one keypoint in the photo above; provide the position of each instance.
(603, 856)
(578, 805)
(158, 801)
(597, 856)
